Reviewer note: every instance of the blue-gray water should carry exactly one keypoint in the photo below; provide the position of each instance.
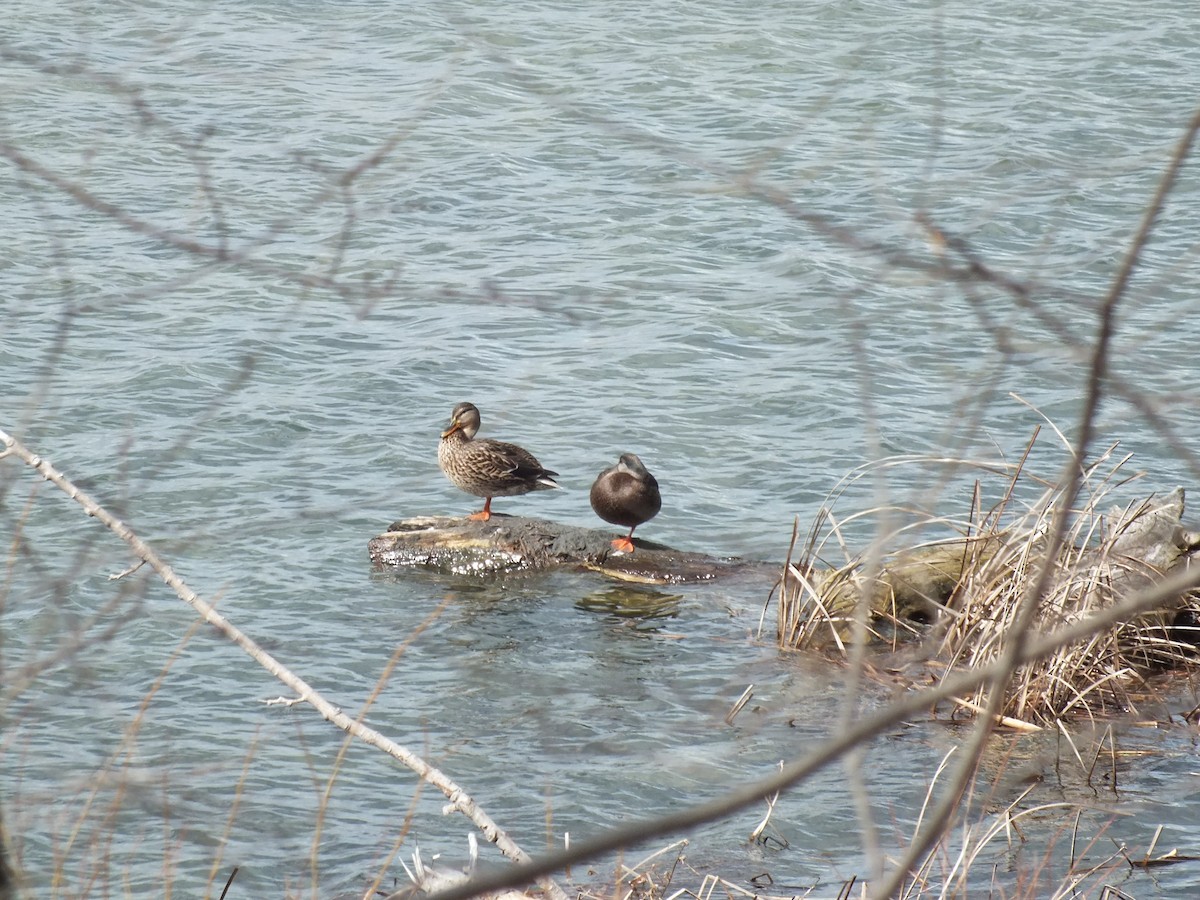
(613, 227)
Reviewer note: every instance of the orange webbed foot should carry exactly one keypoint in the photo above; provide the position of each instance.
(622, 545)
(484, 514)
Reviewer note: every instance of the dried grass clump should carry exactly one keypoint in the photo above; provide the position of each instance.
(1019, 849)
(962, 594)
(988, 853)
(667, 875)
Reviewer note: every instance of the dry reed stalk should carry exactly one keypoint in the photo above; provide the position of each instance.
(972, 586)
(459, 800)
(643, 881)
(964, 857)
(1102, 673)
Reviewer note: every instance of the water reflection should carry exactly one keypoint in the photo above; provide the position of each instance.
(637, 602)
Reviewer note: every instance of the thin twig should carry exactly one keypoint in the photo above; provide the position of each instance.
(1071, 480)
(459, 799)
(798, 770)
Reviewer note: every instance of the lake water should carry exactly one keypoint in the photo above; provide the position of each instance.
(684, 230)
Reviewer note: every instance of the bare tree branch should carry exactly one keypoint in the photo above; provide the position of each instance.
(935, 825)
(459, 799)
(797, 771)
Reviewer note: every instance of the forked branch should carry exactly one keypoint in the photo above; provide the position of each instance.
(459, 799)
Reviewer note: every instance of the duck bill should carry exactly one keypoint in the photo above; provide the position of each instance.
(454, 426)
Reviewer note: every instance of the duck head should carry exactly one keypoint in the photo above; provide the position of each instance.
(629, 464)
(465, 418)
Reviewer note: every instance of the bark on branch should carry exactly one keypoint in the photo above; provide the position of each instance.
(459, 799)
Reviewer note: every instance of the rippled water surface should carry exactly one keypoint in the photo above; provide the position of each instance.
(255, 253)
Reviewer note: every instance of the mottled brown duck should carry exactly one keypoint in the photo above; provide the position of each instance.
(626, 494)
(487, 468)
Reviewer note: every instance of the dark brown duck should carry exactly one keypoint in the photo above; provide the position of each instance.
(626, 494)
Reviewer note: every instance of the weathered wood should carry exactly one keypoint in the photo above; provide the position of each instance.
(514, 543)
(1143, 543)
(916, 585)
(913, 585)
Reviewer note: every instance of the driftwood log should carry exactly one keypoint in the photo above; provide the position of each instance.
(1146, 541)
(1141, 544)
(967, 591)
(514, 544)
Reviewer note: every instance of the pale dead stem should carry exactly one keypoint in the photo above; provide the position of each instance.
(459, 799)
(960, 851)
(1073, 675)
(992, 678)
(223, 841)
(757, 833)
(102, 779)
(1071, 480)
(373, 888)
(863, 729)
(990, 595)
(380, 682)
(644, 880)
